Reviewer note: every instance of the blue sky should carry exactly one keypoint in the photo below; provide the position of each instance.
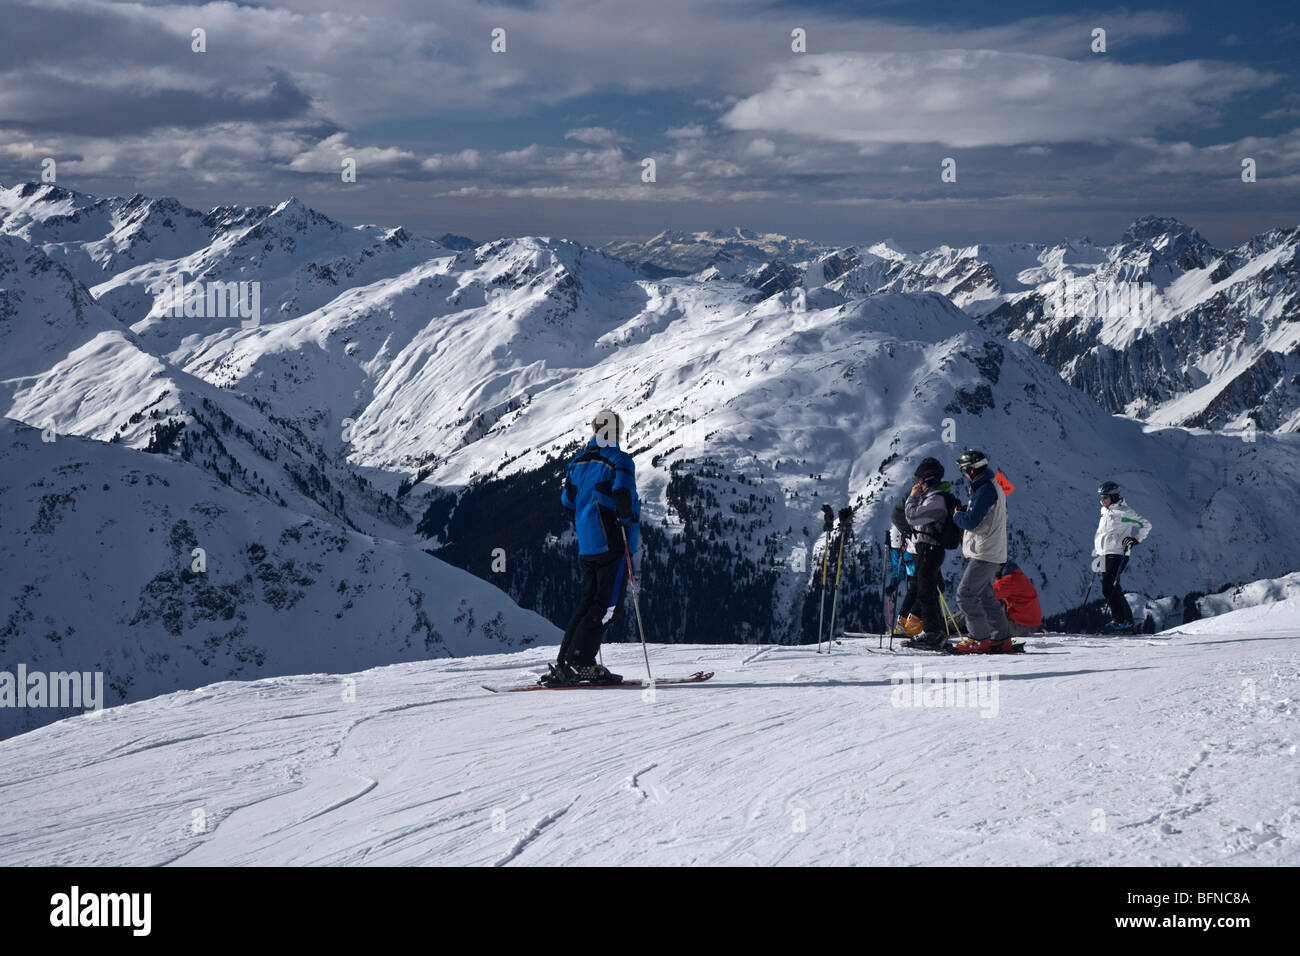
(842, 143)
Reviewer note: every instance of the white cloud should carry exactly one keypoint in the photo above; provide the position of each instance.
(465, 160)
(1276, 156)
(972, 98)
(596, 136)
(689, 131)
(25, 151)
(327, 157)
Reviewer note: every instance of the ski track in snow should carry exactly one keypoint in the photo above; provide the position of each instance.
(534, 833)
(1172, 752)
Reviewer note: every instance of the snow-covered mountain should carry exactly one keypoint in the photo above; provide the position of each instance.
(1170, 330)
(1176, 749)
(97, 238)
(98, 541)
(673, 252)
(1161, 326)
(429, 396)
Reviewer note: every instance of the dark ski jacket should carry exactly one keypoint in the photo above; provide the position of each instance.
(600, 490)
(927, 512)
(982, 497)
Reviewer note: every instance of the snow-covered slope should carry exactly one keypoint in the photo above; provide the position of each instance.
(300, 259)
(1277, 619)
(70, 366)
(1268, 591)
(97, 542)
(1091, 751)
(45, 313)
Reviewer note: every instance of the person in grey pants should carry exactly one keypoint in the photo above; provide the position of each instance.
(984, 541)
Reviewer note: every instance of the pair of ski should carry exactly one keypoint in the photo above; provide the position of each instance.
(947, 650)
(844, 533)
(698, 677)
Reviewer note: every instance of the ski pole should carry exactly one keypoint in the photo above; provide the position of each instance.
(846, 527)
(948, 616)
(636, 605)
(828, 518)
(1092, 576)
(887, 577)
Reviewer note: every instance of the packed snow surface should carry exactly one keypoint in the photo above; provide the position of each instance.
(1177, 748)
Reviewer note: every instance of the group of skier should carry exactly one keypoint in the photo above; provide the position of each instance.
(931, 520)
(996, 599)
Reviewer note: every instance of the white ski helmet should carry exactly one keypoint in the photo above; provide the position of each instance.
(608, 427)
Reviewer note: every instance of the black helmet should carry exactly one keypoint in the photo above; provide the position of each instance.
(930, 471)
(1110, 490)
(972, 460)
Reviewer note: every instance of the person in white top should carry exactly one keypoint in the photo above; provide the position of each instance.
(1118, 531)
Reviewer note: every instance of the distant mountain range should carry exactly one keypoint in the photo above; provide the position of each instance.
(1161, 326)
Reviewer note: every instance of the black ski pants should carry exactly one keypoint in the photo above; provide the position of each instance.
(1113, 592)
(603, 577)
(909, 600)
(929, 561)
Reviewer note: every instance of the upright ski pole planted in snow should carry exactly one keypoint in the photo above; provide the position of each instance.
(846, 528)
(1091, 578)
(828, 517)
(636, 605)
(888, 578)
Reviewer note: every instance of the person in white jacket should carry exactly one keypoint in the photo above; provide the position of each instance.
(1118, 531)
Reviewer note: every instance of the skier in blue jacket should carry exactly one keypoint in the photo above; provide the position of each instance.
(600, 490)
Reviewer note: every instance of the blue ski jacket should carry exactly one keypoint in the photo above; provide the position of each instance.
(600, 490)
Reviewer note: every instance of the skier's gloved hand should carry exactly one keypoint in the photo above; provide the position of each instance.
(623, 506)
(892, 589)
(1128, 543)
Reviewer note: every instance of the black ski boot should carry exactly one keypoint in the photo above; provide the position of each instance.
(558, 673)
(927, 642)
(595, 674)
